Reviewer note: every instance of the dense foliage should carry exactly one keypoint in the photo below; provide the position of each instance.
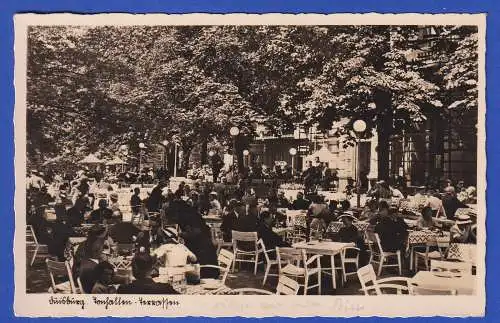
(95, 89)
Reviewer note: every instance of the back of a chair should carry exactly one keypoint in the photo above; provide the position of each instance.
(417, 290)
(225, 259)
(60, 269)
(287, 286)
(374, 242)
(263, 247)
(452, 268)
(216, 234)
(289, 256)
(366, 276)
(30, 235)
(245, 237)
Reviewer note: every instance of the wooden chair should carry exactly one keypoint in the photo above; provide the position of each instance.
(33, 246)
(416, 290)
(349, 260)
(451, 268)
(289, 260)
(370, 285)
(269, 262)
(379, 256)
(251, 291)
(61, 270)
(287, 286)
(218, 239)
(427, 255)
(225, 260)
(250, 255)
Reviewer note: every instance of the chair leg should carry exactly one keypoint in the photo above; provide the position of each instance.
(234, 262)
(319, 282)
(306, 283)
(34, 256)
(399, 263)
(268, 268)
(334, 280)
(256, 263)
(412, 253)
(380, 265)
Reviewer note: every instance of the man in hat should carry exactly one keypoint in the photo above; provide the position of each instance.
(461, 231)
(392, 230)
(348, 233)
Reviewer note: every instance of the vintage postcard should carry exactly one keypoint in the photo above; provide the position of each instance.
(250, 165)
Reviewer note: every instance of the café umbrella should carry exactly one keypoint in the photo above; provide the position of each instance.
(91, 159)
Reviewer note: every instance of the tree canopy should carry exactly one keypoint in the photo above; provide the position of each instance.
(98, 88)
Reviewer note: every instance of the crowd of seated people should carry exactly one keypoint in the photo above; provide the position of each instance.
(239, 208)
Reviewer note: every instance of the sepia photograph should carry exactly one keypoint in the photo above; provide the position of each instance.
(311, 159)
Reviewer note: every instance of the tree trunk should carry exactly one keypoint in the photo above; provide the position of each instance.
(185, 160)
(385, 130)
(203, 151)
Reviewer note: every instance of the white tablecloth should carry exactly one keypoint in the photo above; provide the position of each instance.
(464, 285)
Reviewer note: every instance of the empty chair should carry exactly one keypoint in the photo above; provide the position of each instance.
(246, 248)
(33, 246)
(379, 256)
(269, 262)
(370, 285)
(218, 240)
(451, 268)
(289, 260)
(60, 271)
(349, 255)
(225, 260)
(416, 290)
(287, 286)
(440, 245)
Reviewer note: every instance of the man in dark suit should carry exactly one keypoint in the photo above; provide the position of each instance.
(142, 268)
(86, 271)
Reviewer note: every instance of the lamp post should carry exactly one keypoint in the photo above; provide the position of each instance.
(165, 146)
(141, 149)
(359, 127)
(234, 132)
(293, 152)
(246, 153)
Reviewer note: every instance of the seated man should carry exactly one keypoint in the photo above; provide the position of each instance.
(86, 268)
(142, 268)
(265, 231)
(392, 231)
(300, 203)
(102, 213)
(104, 273)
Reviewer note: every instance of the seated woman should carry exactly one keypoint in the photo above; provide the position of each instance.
(102, 213)
(318, 210)
(425, 220)
(104, 273)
